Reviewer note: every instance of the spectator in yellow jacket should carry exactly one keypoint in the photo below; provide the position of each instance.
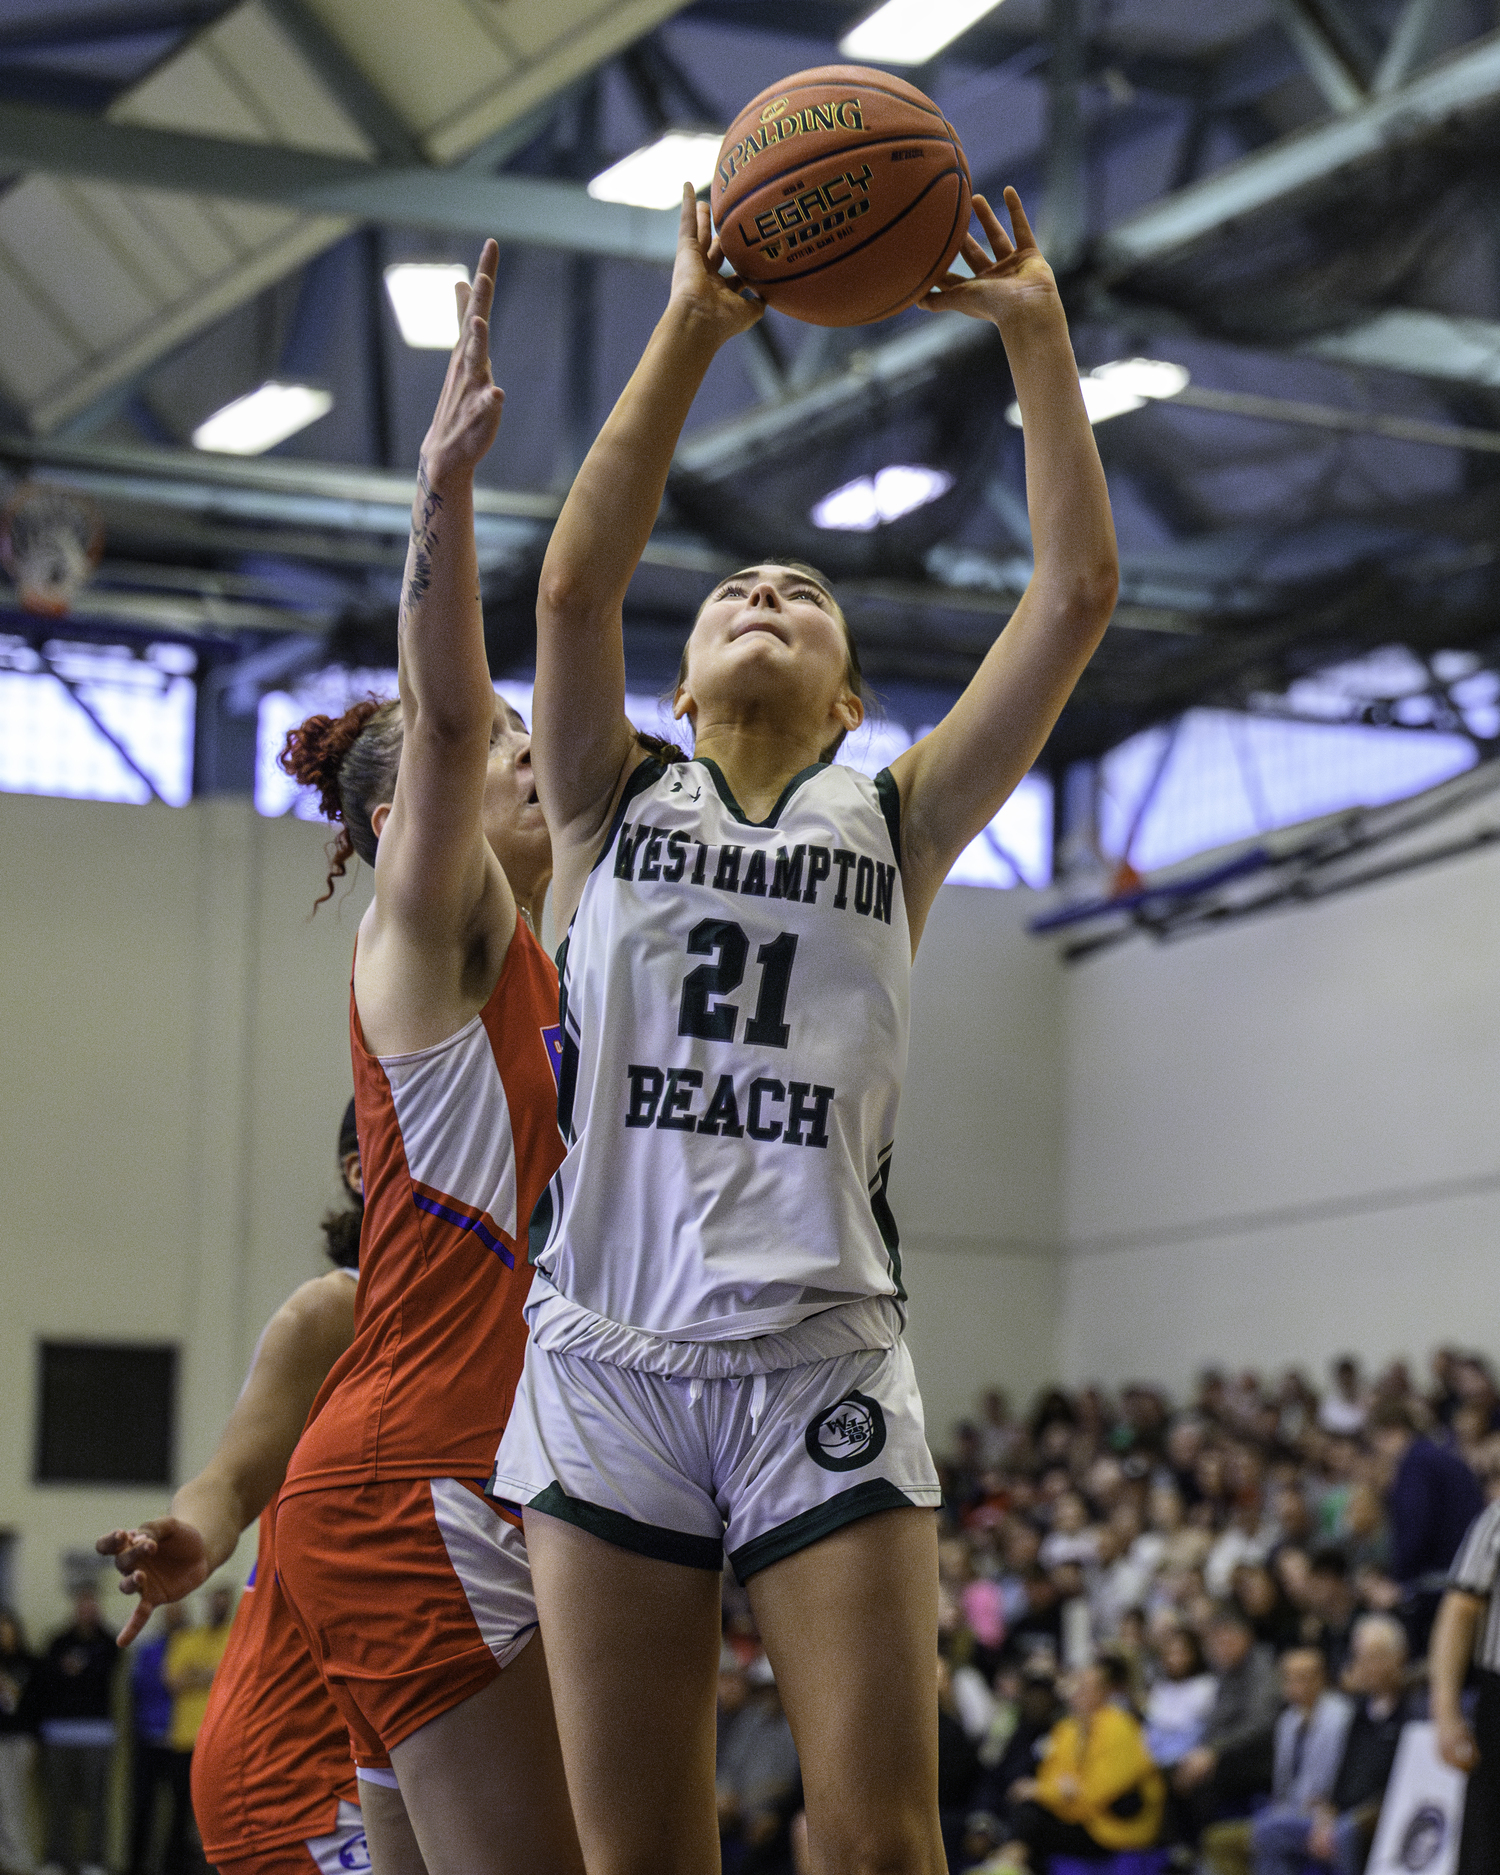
(1096, 1790)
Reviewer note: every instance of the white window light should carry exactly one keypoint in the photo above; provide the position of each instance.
(1230, 777)
(1110, 390)
(859, 506)
(910, 32)
(423, 299)
(49, 745)
(261, 419)
(652, 177)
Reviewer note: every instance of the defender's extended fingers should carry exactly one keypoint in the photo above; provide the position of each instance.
(482, 294)
(705, 225)
(139, 1616)
(1018, 219)
(113, 1543)
(489, 261)
(687, 225)
(476, 343)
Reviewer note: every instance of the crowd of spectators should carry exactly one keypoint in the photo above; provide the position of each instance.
(1195, 1627)
(58, 1713)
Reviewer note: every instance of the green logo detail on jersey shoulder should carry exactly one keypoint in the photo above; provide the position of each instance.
(846, 1436)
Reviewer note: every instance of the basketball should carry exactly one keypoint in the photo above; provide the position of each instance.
(841, 195)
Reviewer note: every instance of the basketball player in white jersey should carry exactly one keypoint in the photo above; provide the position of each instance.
(716, 1359)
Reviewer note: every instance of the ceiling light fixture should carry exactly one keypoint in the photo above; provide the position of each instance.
(910, 32)
(652, 177)
(424, 302)
(867, 503)
(1110, 390)
(261, 419)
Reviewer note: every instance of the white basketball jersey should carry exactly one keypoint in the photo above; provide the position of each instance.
(735, 1011)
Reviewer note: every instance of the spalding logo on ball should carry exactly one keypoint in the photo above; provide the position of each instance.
(841, 195)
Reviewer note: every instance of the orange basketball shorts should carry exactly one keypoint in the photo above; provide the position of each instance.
(344, 1852)
(413, 1594)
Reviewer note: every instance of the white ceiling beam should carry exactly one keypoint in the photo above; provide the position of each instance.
(528, 210)
(1406, 44)
(1466, 82)
(368, 108)
(285, 492)
(1321, 58)
(1423, 344)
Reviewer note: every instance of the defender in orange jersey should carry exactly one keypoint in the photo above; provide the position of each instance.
(274, 1786)
(412, 1586)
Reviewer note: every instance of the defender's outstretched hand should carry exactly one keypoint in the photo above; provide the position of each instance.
(161, 1562)
(467, 418)
(697, 284)
(1011, 279)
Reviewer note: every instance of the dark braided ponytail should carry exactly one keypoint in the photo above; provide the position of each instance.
(351, 760)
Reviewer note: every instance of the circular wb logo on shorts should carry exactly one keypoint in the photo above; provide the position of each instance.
(1422, 1839)
(846, 1436)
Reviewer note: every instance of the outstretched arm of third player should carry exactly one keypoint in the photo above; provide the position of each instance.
(433, 866)
(170, 1556)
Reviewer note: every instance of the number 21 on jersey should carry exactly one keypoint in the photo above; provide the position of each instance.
(710, 1021)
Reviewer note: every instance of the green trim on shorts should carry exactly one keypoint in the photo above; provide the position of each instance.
(645, 1539)
(864, 1500)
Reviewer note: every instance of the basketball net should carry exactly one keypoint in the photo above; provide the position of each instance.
(50, 543)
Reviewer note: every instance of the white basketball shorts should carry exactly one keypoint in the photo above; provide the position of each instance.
(682, 1469)
(345, 1852)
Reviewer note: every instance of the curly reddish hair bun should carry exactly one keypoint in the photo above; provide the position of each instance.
(351, 761)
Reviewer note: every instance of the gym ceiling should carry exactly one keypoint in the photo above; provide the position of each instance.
(1295, 200)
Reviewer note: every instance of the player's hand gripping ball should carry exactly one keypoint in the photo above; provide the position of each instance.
(841, 195)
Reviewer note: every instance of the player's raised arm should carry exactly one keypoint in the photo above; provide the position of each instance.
(433, 864)
(582, 742)
(956, 779)
(170, 1556)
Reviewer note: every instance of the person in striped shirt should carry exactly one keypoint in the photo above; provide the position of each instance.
(1467, 1634)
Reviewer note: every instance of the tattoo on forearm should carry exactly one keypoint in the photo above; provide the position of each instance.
(424, 541)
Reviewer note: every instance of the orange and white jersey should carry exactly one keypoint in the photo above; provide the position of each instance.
(272, 1764)
(457, 1143)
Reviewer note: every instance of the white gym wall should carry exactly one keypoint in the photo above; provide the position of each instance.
(1283, 1139)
